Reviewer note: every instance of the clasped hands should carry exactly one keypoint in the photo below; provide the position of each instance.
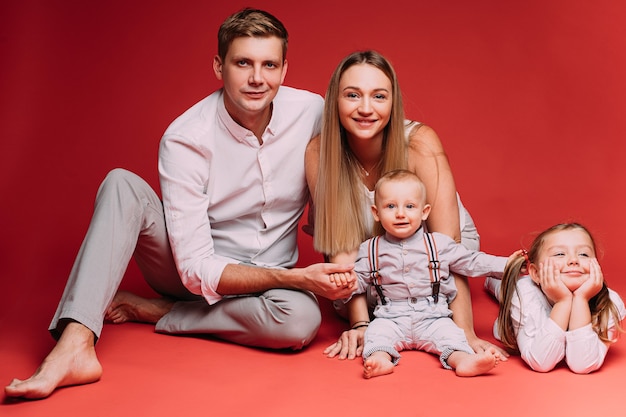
(344, 279)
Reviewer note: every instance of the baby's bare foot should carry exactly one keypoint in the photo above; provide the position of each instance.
(478, 363)
(379, 363)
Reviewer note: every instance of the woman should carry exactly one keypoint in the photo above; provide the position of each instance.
(364, 135)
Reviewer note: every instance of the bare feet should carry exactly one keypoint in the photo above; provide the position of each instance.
(379, 363)
(72, 361)
(475, 364)
(127, 306)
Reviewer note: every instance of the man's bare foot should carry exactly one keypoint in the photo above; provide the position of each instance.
(72, 361)
(477, 363)
(127, 306)
(379, 363)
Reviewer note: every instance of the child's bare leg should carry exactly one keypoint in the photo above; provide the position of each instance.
(466, 364)
(379, 363)
(127, 306)
(72, 361)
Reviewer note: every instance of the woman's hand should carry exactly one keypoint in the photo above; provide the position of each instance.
(349, 345)
(480, 345)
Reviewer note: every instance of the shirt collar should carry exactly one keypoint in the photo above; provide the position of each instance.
(418, 235)
(239, 132)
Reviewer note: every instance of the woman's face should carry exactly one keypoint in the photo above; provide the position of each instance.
(365, 100)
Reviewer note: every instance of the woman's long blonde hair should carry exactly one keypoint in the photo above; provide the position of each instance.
(601, 306)
(340, 223)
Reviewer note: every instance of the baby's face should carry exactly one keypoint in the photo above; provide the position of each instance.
(400, 207)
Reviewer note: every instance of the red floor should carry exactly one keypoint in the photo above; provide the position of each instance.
(527, 98)
(150, 374)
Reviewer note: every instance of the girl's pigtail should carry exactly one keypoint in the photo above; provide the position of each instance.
(602, 311)
(508, 287)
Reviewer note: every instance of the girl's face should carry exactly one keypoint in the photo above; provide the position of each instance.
(571, 252)
(365, 100)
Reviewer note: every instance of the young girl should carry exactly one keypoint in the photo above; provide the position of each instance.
(555, 305)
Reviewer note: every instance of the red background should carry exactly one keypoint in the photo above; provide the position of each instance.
(527, 97)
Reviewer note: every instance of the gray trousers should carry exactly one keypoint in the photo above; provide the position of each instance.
(408, 324)
(128, 221)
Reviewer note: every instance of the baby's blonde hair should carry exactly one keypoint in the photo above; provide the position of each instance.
(400, 175)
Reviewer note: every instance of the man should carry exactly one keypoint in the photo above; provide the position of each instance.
(232, 178)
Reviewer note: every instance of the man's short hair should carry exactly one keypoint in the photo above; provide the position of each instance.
(253, 23)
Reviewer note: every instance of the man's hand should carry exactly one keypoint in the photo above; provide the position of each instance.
(321, 280)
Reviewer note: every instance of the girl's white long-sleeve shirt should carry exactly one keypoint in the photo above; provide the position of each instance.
(543, 344)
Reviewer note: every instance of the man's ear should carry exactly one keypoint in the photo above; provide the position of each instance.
(285, 65)
(217, 67)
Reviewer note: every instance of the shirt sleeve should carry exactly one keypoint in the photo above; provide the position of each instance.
(469, 262)
(183, 172)
(540, 340)
(362, 270)
(584, 351)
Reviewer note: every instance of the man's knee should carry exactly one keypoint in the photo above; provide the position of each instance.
(117, 178)
(298, 321)
(123, 185)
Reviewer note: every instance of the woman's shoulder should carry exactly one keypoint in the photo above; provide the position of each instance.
(313, 147)
(421, 136)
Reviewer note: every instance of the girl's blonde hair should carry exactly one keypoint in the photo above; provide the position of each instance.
(340, 223)
(601, 306)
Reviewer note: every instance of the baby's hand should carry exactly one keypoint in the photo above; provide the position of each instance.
(515, 255)
(343, 280)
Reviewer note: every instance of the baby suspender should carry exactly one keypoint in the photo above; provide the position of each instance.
(372, 256)
(433, 266)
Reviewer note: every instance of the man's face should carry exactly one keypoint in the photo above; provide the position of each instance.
(251, 72)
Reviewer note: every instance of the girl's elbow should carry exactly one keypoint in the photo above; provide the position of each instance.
(583, 368)
(540, 367)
